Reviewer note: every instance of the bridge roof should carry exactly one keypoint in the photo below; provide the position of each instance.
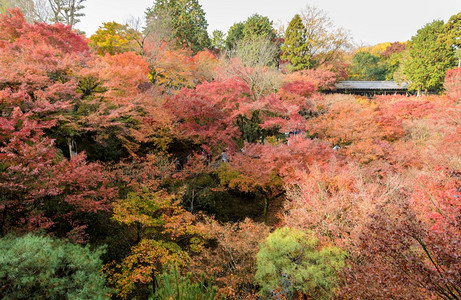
(371, 85)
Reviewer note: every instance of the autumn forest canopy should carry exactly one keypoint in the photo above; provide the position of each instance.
(153, 160)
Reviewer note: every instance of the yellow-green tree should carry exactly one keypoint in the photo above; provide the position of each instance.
(112, 38)
(452, 35)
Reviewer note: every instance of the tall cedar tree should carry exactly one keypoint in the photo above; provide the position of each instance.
(188, 21)
(429, 59)
(295, 48)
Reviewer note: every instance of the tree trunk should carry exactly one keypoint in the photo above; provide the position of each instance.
(266, 208)
(138, 233)
(72, 147)
(3, 222)
(72, 13)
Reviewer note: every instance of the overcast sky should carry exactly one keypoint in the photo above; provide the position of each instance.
(369, 21)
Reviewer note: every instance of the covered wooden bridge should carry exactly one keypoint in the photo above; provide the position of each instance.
(371, 88)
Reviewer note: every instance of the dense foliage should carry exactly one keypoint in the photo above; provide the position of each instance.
(365, 66)
(216, 174)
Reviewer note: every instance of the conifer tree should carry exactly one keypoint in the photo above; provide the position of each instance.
(188, 23)
(295, 48)
(234, 34)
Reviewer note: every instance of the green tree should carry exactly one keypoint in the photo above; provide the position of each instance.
(258, 26)
(187, 21)
(33, 10)
(428, 59)
(218, 40)
(392, 57)
(39, 267)
(393, 64)
(366, 66)
(234, 35)
(253, 42)
(291, 262)
(295, 48)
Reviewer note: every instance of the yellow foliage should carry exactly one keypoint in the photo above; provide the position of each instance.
(377, 49)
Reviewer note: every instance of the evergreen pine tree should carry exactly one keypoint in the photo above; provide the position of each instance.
(293, 263)
(40, 267)
(295, 48)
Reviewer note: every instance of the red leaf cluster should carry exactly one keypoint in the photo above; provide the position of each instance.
(452, 84)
